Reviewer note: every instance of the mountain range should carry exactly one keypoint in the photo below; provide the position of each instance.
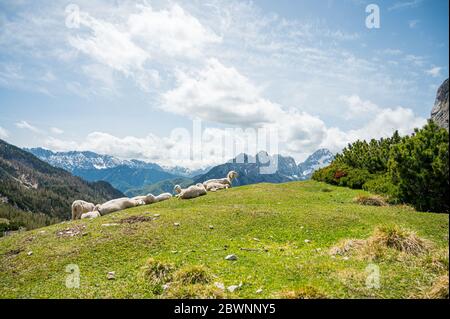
(134, 177)
(257, 169)
(122, 174)
(31, 184)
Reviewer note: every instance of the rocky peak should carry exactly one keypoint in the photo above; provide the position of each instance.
(439, 114)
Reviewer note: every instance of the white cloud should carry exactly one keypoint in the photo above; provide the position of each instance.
(4, 134)
(392, 51)
(414, 59)
(147, 36)
(383, 124)
(434, 71)
(405, 5)
(357, 108)
(27, 126)
(220, 94)
(56, 130)
(171, 31)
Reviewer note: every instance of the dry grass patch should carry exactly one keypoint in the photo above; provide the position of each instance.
(307, 292)
(383, 240)
(196, 291)
(158, 272)
(346, 246)
(439, 289)
(370, 200)
(400, 239)
(190, 275)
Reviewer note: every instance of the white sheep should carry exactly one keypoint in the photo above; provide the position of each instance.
(117, 204)
(190, 192)
(80, 207)
(213, 186)
(91, 215)
(162, 197)
(147, 199)
(225, 181)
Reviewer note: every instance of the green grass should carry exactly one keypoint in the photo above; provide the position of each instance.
(270, 221)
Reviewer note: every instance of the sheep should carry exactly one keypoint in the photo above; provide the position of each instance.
(91, 215)
(118, 204)
(162, 197)
(225, 181)
(80, 207)
(147, 199)
(213, 186)
(190, 192)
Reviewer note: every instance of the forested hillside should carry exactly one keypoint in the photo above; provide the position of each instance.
(32, 185)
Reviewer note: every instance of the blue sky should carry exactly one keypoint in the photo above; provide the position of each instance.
(122, 77)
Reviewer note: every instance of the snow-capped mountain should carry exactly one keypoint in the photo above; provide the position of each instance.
(318, 159)
(185, 172)
(261, 168)
(74, 160)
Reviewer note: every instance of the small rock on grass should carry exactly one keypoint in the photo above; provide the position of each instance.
(307, 241)
(259, 291)
(232, 288)
(211, 227)
(231, 257)
(219, 285)
(30, 253)
(176, 224)
(165, 286)
(111, 275)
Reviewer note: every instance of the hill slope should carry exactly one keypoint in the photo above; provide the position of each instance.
(280, 233)
(33, 185)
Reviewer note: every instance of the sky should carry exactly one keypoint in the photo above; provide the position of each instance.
(138, 79)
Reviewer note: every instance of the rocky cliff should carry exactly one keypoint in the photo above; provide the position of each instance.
(439, 114)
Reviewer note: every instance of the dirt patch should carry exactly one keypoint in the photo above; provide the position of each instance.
(135, 219)
(13, 252)
(71, 232)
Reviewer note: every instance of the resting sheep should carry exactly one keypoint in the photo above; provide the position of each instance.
(225, 181)
(190, 192)
(90, 215)
(117, 204)
(213, 186)
(162, 197)
(147, 199)
(80, 207)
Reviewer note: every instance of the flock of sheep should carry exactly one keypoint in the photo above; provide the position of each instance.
(82, 209)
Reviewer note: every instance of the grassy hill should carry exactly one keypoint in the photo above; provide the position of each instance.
(281, 234)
